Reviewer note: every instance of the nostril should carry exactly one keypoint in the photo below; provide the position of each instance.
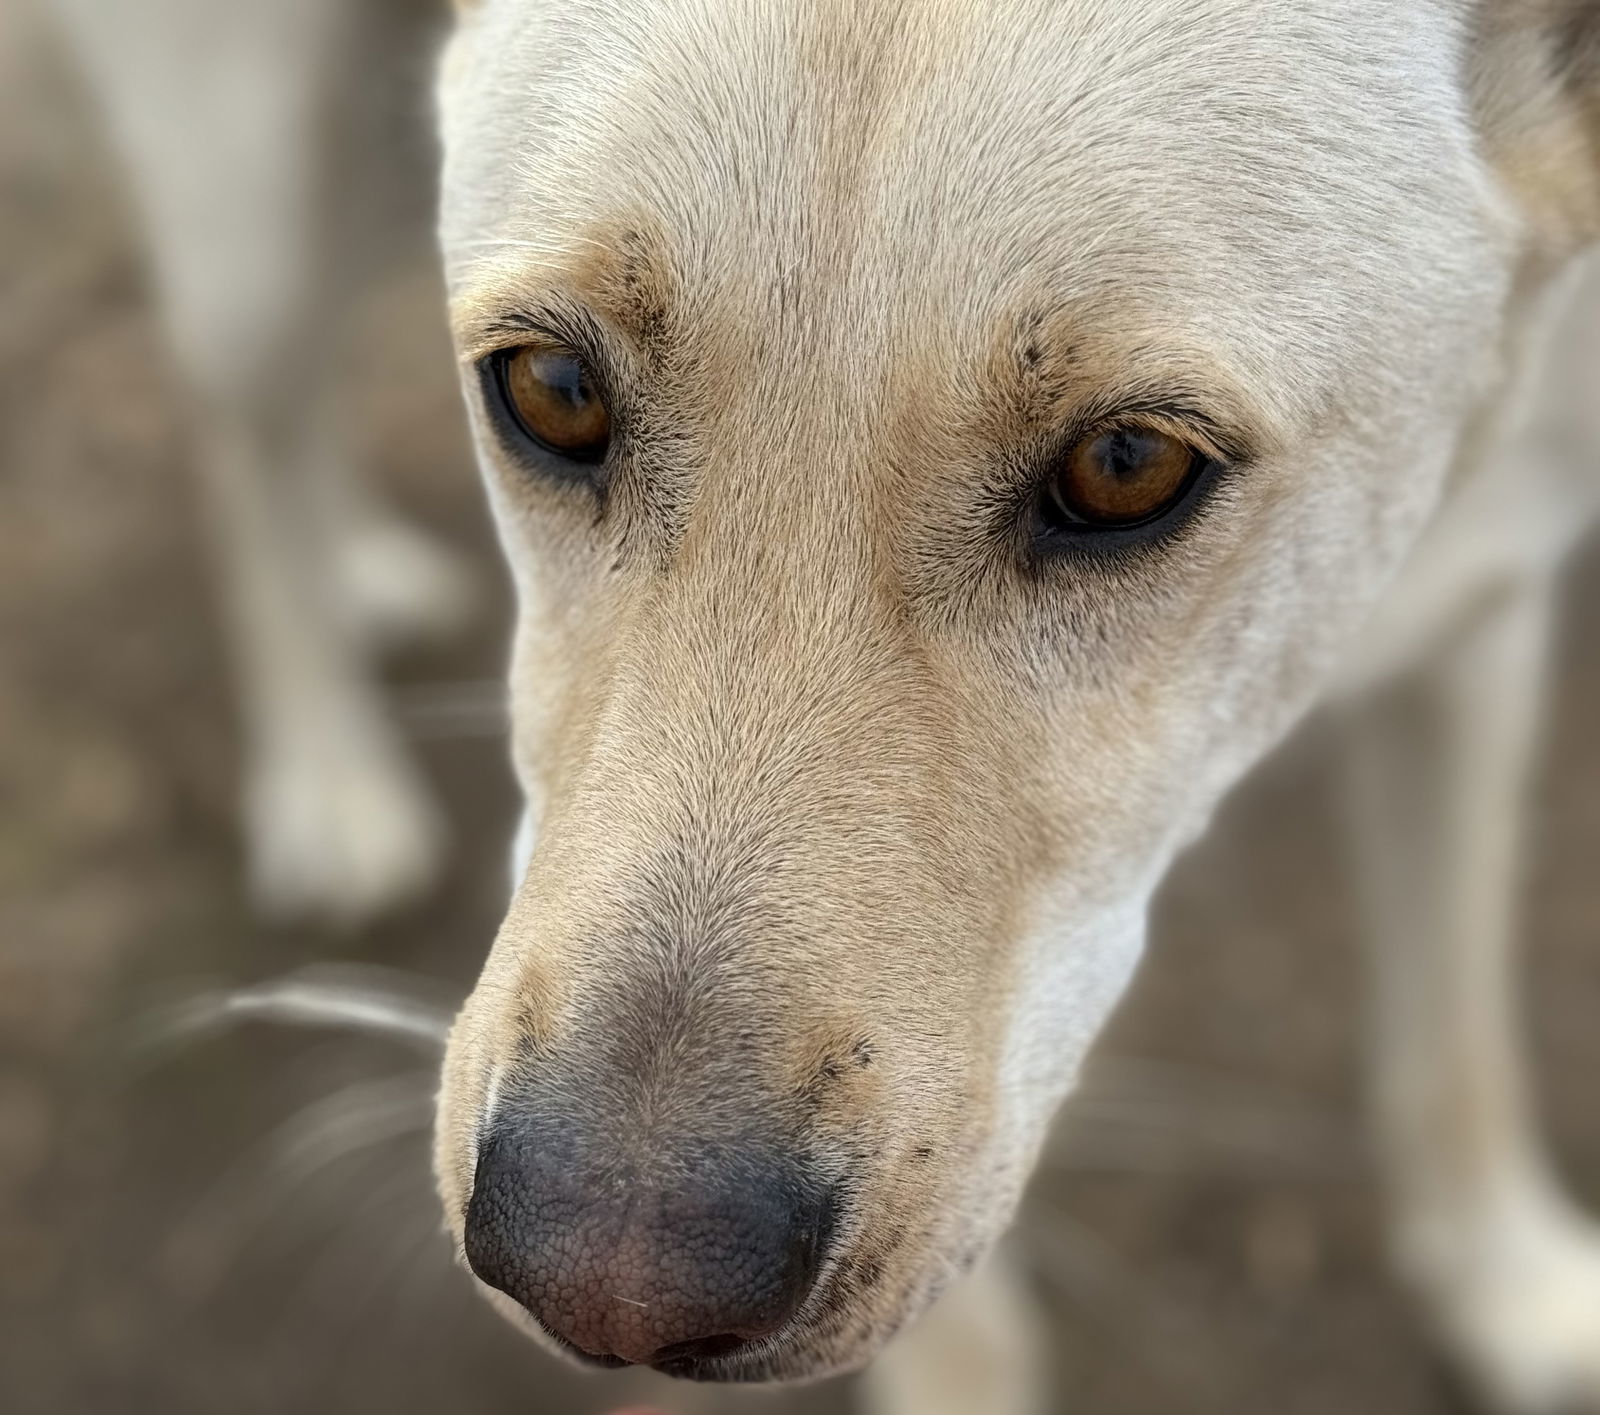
(705, 1348)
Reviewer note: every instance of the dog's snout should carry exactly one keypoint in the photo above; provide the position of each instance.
(671, 1268)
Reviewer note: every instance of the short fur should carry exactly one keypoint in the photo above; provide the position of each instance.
(844, 808)
(818, 760)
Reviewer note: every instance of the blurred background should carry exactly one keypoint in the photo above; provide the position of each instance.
(245, 1221)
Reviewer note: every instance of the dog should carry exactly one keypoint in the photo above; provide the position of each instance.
(265, 221)
(939, 448)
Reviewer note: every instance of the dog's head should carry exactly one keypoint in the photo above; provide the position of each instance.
(938, 446)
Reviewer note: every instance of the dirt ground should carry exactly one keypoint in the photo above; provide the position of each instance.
(245, 1224)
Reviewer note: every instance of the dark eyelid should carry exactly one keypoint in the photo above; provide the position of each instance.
(1221, 451)
(1045, 545)
(531, 455)
(560, 326)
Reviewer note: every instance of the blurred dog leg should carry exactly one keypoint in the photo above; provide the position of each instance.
(373, 142)
(981, 1348)
(224, 116)
(1507, 1270)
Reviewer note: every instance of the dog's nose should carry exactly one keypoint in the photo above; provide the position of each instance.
(669, 1269)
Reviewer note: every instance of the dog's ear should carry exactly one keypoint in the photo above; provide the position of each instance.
(1534, 82)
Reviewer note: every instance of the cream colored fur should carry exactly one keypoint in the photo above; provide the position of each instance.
(820, 235)
(819, 767)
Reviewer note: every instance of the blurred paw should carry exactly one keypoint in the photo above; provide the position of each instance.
(1519, 1306)
(341, 830)
(400, 585)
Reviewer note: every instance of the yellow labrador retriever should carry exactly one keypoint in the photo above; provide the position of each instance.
(940, 446)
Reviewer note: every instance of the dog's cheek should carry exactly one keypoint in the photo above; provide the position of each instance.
(1073, 971)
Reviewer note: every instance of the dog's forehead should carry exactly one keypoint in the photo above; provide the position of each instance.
(1280, 174)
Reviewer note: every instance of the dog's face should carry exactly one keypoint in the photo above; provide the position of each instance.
(938, 447)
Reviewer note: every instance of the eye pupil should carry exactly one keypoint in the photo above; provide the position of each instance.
(553, 400)
(1124, 454)
(565, 376)
(1121, 477)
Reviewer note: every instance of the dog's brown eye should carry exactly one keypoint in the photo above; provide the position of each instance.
(1121, 477)
(553, 398)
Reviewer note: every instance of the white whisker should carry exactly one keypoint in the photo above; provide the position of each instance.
(366, 999)
(242, 1204)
